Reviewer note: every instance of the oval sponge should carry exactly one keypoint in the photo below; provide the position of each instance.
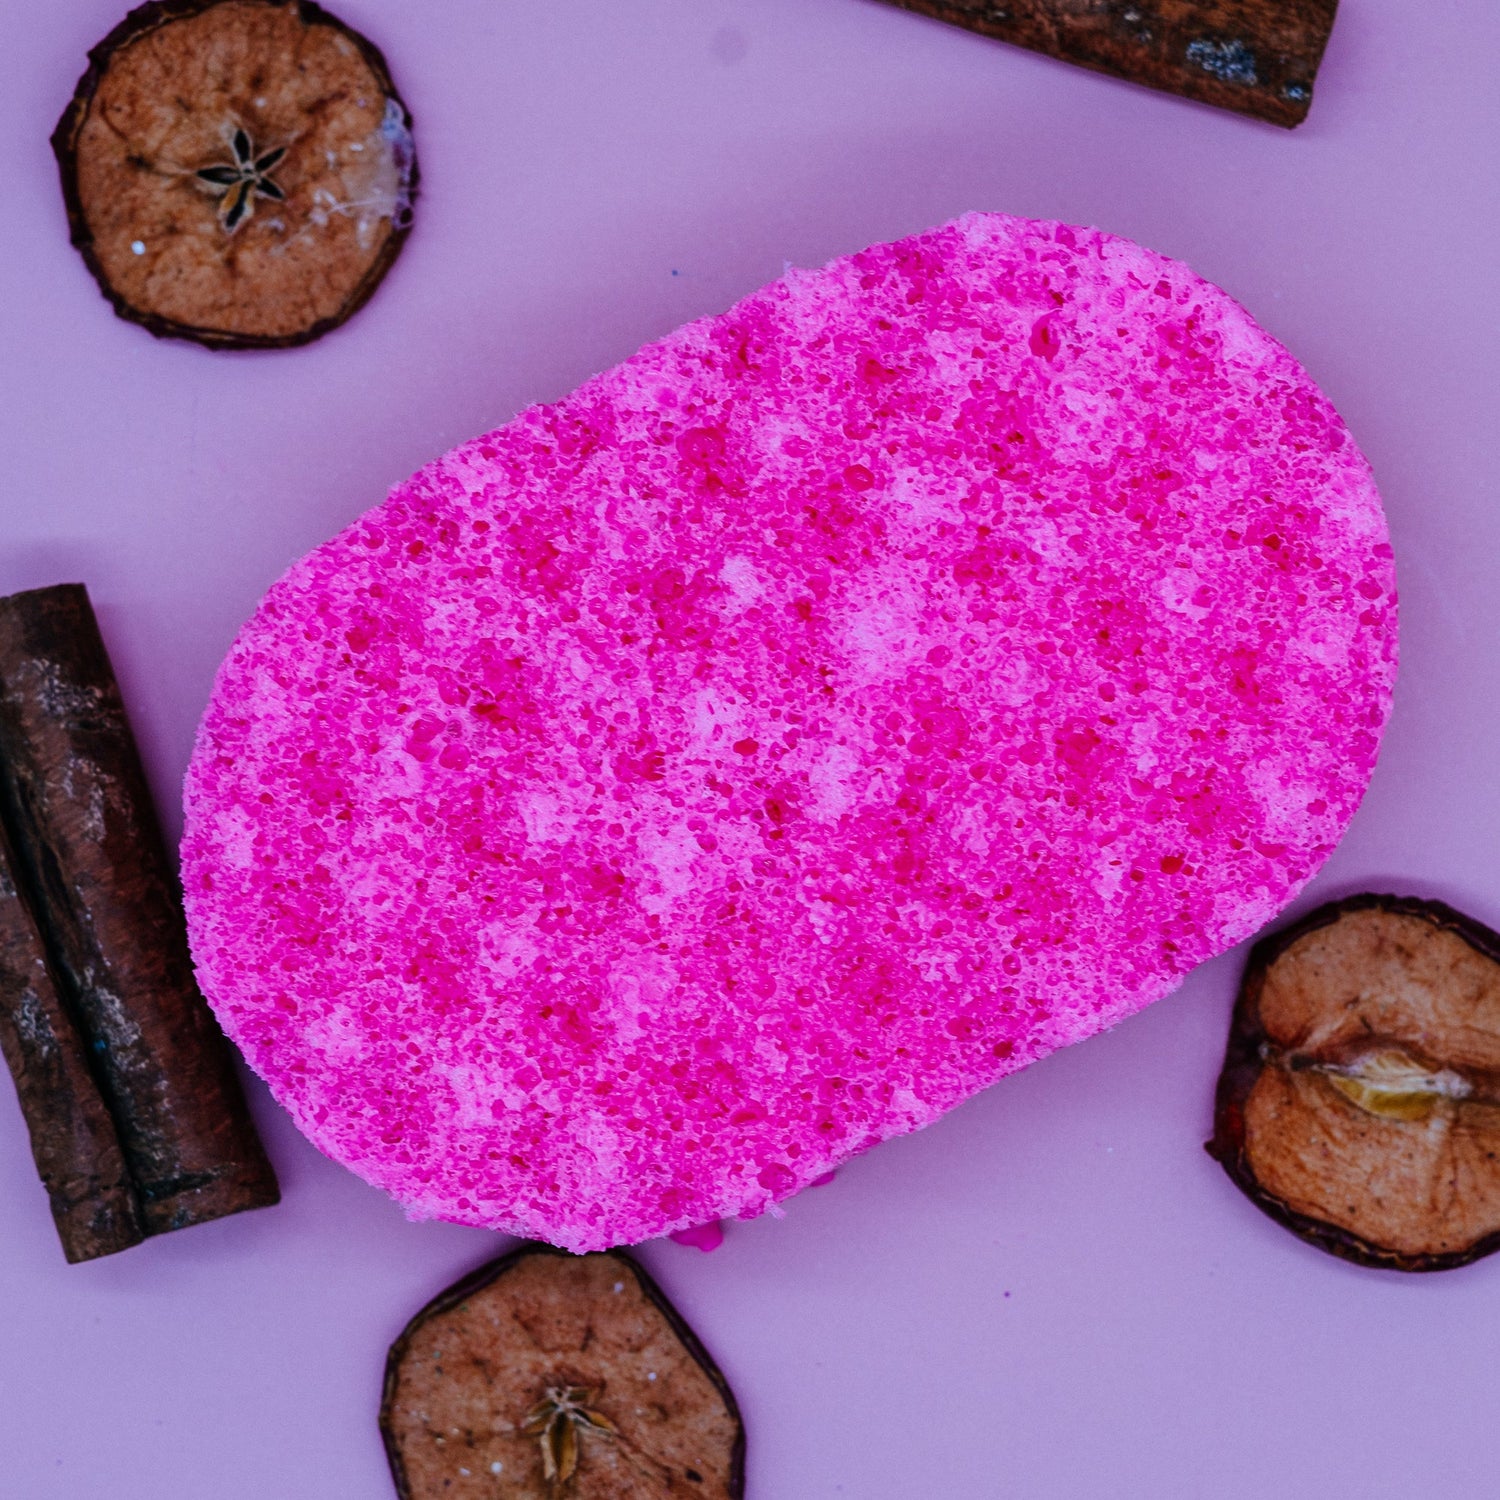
(840, 704)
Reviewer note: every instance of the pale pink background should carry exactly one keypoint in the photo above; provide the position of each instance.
(1053, 1293)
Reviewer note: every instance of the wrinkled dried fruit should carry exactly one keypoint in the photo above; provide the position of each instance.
(546, 1375)
(1360, 1099)
(237, 172)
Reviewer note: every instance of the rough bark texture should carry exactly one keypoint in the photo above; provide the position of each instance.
(1258, 57)
(90, 858)
(470, 1367)
(237, 172)
(73, 1138)
(1360, 1099)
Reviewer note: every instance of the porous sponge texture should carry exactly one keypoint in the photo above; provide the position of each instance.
(840, 704)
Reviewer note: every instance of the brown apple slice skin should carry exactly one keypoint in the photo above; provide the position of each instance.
(1349, 1044)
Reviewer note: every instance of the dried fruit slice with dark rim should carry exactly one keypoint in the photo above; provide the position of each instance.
(560, 1375)
(237, 172)
(1360, 1099)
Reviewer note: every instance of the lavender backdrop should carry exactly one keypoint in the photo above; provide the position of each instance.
(1052, 1293)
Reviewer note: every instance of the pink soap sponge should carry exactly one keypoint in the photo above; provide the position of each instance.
(840, 704)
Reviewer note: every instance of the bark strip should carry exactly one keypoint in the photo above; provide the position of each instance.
(88, 855)
(73, 1139)
(1258, 57)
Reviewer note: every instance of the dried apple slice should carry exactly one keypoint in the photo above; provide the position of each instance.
(240, 173)
(1360, 1099)
(546, 1375)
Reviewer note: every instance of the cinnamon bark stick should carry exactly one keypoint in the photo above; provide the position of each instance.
(73, 1138)
(1258, 57)
(89, 854)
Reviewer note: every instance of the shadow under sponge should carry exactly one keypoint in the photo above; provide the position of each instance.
(838, 705)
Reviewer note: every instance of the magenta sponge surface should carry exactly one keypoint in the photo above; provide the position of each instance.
(838, 705)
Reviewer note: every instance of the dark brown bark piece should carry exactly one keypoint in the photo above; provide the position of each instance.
(580, 1355)
(1360, 1099)
(1258, 57)
(73, 1138)
(89, 855)
(237, 172)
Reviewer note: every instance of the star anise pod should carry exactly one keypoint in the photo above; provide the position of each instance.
(558, 1422)
(242, 181)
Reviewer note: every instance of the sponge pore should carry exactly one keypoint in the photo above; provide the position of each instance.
(841, 703)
